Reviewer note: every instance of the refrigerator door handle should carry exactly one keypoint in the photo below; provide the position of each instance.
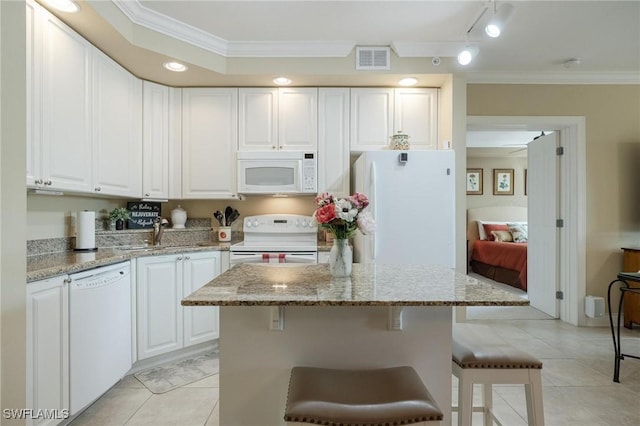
(372, 192)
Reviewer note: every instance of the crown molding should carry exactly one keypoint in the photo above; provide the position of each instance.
(427, 49)
(573, 77)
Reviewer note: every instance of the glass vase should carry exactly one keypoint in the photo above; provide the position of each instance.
(340, 258)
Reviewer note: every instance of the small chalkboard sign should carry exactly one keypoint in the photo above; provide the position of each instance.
(142, 214)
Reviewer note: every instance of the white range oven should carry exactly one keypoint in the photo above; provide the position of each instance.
(277, 239)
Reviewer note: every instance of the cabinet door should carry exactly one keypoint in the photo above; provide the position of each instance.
(65, 110)
(298, 119)
(416, 114)
(159, 292)
(258, 119)
(333, 141)
(155, 141)
(209, 140)
(117, 129)
(371, 118)
(48, 346)
(200, 323)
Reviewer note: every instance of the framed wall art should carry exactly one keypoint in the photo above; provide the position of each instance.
(474, 181)
(502, 181)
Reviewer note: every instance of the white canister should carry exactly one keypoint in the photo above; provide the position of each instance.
(224, 233)
(178, 217)
(400, 141)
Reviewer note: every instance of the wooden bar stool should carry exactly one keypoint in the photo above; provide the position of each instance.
(481, 357)
(379, 397)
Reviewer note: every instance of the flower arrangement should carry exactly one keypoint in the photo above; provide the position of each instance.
(343, 216)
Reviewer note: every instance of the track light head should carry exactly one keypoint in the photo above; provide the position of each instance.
(497, 22)
(467, 55)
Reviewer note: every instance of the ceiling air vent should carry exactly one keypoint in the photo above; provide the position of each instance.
(373, 58)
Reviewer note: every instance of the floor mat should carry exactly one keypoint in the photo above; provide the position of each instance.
(166, 377)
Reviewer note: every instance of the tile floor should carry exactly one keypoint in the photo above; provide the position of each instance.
(577, 382)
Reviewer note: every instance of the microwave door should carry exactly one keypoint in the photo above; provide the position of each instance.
(269, 177)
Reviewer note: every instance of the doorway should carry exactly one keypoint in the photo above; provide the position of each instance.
(572, 202)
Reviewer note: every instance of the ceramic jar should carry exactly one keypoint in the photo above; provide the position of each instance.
(178, 217)
(400, 141)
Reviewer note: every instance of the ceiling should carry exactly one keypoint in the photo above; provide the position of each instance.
(246, 42)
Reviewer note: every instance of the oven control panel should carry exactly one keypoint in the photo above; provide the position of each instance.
(280, 223)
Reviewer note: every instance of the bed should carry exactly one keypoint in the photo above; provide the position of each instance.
(497, 247)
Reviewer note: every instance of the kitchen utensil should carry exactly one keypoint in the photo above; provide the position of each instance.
(227, 215)
(219, 217)
(232, 217)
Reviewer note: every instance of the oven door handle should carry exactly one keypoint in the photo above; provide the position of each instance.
(298, 258)
(246, 258)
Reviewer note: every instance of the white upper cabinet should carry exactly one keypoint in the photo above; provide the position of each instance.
(209, 140)
(378, 113)
(333, 141)
(416, 115)
(155, 141)
(371, 118)
(278, 118)
(298, 119)
(116, 128)
(258, 119)
(58, 103)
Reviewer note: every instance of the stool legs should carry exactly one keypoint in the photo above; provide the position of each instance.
(487, 404)
(465, 400)
(533, 391)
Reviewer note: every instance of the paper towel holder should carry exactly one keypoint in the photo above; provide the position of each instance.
(90, 230)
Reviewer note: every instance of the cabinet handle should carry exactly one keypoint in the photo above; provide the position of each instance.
(187, 257)
(146, 194)
(98, 189)
(67, 281)
(273, 147)
(178, 258)
(47, 182)
(38, 182)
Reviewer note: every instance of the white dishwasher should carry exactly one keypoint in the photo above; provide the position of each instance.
(99, 331)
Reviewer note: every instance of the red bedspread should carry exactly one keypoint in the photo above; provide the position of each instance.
(506, 255)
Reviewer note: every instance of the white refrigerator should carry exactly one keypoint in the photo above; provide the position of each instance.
(412, 199)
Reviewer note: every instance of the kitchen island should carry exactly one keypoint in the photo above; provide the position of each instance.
(273, 318)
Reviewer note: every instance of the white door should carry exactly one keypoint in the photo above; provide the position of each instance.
(258, 119)
(416, 114)
(200, 322)
(542, 255)
(209, 139)
(298, 118)
(159, 292)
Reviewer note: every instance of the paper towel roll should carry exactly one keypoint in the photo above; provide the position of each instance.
(86, 231)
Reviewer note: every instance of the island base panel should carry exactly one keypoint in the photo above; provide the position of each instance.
(255, 362)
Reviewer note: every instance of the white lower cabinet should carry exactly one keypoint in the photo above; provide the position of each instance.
(163, 325)
(48, 348)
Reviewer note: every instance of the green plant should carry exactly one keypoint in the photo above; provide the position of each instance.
(119, 213)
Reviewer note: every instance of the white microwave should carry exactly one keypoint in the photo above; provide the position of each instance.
(280, 172)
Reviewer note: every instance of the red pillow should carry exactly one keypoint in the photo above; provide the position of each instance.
(494, 227)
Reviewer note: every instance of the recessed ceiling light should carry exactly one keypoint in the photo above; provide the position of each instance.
(175, 66)
(69, 6)
(409, 81)
(282, 80)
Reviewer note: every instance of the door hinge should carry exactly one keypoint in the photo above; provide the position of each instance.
(559, 223)
(560, 150)
(559, 295)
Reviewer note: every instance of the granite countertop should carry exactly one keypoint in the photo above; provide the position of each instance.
(49, 265)
(369, 285)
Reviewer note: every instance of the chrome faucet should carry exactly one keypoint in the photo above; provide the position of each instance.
(158, 227)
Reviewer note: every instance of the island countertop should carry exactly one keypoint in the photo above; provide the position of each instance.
(368, 285)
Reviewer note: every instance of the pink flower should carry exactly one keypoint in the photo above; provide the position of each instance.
(359, 200)
(323, 199)
(326, 213)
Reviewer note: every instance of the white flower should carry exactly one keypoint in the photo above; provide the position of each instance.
(345, 210)
(366, 224)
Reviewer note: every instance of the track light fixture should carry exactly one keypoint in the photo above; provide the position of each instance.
(497, 22)
(467, 55)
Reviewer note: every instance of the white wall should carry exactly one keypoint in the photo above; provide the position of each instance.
(12, 206)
